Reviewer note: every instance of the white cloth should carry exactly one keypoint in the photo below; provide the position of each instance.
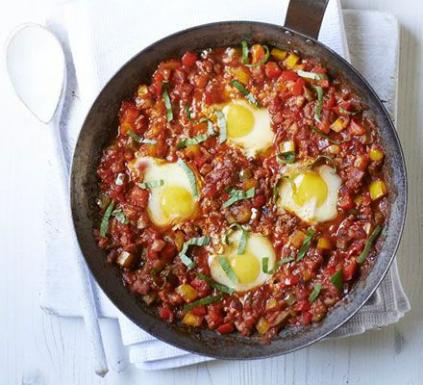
(99, 36)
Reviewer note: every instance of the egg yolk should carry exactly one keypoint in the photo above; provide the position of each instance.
(239, 120)
(246, 267)
(308, 186)
(176, 202)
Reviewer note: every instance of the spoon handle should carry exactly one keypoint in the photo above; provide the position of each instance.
(88, 302)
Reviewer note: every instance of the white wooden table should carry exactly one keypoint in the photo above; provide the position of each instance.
(42, 350)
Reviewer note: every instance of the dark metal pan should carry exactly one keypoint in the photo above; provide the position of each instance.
(300, 32)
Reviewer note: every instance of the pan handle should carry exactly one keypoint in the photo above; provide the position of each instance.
(305, 16)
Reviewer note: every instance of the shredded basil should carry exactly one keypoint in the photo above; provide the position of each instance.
(338, 279)
(238, 195)
(228, 269)
(120, 216)
(286, 157)
(199, 241)
(242, 245)
(369, 243)
(315, 293)
(214, 284)
(203, 301)
(190, 141)
(319, 104)
(221, 123)
(139, 139)
(188, 112)
(248, 95)
(104, 225)
(306, 244)
(244, 46)
(168, 104)
(265, 266)
(152, 184)
(191, 177)
(311, 75)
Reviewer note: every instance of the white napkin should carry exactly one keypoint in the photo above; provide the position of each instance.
(101, 36)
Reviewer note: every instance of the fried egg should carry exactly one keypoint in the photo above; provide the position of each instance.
(311, 194)
(171, 198)
(248, 266)
(248, 127)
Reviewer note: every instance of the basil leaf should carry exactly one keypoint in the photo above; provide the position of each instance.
(238, 195)
(315, 293)
(369, 243)
(139, 139)
(242, 245)
(319, 104)
(248, 95)
(120, 216)
(286, 157)
(265, 266)
(191, 177)
(244, 58)
(203, 301)
(188, 112)
(152, 184)
(199, 241)
(190, 141)
(338, 279)
(228, 269)
(311, 75)
(168, 104)
(306, 244)
(214, 284)
(104, 225)
(285, 260)
(221, 123)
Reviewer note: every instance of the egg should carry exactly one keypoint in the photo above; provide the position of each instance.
(172, 199)
(248, 266)
(312, 195)
(248, 127)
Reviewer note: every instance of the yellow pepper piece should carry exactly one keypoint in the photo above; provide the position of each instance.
(375, 154)
(339, 124)
(191, 319)
(324, 244)
(278, 53)
(377, 189)
(142, 90)
(297, 239)
(240, 74)
(262, 326)
(271, 303)
(187, 292)
(291, 61)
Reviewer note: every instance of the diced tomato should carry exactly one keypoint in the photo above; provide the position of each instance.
(168, 252)
(356, 128)
(302, 306)
(128, 113)
(349, 269)
(318, 70)
(345, 201)
(289, 75)
(138, 197)
(201, 286)
(298, 88)
(307, 317)
(199, 310)
(272, 70)
(189, 59)
(259, 201)
(165, 313)
(226, 328)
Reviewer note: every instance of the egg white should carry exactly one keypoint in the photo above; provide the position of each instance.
(310, 212)
(258, 245)
(172, 175)
(260, 137)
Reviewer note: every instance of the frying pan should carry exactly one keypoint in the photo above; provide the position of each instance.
(300, 33)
